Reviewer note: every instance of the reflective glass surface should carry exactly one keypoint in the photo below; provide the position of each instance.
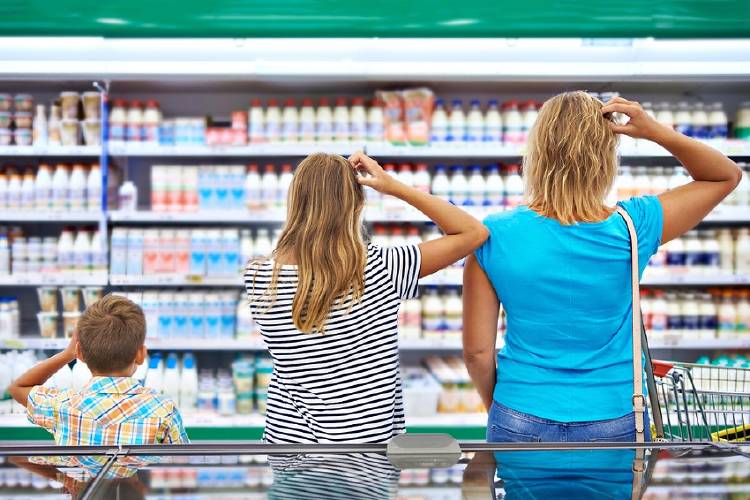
(252, 473)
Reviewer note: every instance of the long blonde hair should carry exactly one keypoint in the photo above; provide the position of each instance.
(323, 235)
(571, 159)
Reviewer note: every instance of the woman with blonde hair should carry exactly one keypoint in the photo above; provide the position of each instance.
(561, 266)
(326, 303)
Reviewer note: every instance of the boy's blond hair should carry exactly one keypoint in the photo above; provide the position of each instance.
(111, 331)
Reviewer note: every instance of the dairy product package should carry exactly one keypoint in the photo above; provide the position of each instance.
(393, 116)
(418, 105)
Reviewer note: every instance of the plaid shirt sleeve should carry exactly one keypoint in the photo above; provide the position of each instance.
(43, 406)
(173, 430)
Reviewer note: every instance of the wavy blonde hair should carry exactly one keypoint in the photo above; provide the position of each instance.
(571, 159)
(324, 236)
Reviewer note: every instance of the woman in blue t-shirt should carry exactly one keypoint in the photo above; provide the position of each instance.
(561, 267)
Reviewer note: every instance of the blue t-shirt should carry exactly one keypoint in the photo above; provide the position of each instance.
(567, 295)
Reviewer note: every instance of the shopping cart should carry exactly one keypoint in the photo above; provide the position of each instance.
(698, 402)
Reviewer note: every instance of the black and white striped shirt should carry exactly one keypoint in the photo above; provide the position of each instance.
(343, 385)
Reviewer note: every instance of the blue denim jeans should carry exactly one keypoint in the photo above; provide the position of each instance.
(510, 426)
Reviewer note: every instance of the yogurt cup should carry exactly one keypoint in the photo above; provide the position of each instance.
(47, 299)
(5, 119)
(69, 104)
(91, 294)
(23, 102)
(5, 102)
(47, 324)
(92, 132)
(70, 322)
(69, 132)
(22, 137)
(22, 119)
(5, 137)
(91, 105)
(71, 299)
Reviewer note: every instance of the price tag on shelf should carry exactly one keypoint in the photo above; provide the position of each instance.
(195, 279)
(14, 344)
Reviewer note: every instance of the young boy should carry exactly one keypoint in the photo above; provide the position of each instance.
(113, 408)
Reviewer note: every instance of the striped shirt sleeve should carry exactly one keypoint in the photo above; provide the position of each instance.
(403, 265)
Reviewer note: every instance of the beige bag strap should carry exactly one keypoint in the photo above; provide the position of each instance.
(639, 402)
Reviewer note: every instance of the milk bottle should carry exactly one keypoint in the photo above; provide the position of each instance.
(699, 119)
(94, 189)
(664, 114)
(676, 255)
(718, 127)
(625, 184)
(459, 186)
(14, 191)
(253, 192)
(151, 123)
(528, 117)
(397, 237)
(98, 253)
(707, 316)
(514, 187)
(230, 242)
(59, 188)
(477, 187)
(269, 187)
(341, 121)
(405, 174)
(307, 122)
(77, 188)
(212, 308)
(82, 251)
(743, 314)
(188, 383)
(742, 192)
(263, 245)
(214, 253)
(134, 130)
(742, 252)
(683, 119)
(196, 315)
(474, 122)
(285, 180)
(726, 251)
(494, 188)
(678, 178)
(273, 122)
(134, 253)
(256, 128)
(711, 252)
(456, 123)
(658, 315)
(674, 316)
(80, 375)
(421, 179)
(375, 122)
(43, 188)
(641, 181)
(439, 130)
(155, 375)
(690, 317)
(432, 313)
(65, 254)
(27, 191)
(290, 122)
(119, 251)
(512, 124)
(3, 191)
(693, 253)
(358, 124)
(727, 316)
(493, 124)
(323, 122)
(440, 183)
(659, 181)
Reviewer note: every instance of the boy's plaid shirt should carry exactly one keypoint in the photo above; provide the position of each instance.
(107, 411)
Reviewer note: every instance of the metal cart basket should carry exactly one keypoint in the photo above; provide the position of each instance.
(698, 402)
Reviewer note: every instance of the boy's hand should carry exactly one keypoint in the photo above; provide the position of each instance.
(70, 350)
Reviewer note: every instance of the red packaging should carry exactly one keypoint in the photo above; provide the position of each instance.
(393, 116)
(239, 120)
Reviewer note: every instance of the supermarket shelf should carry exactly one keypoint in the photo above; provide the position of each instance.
(729, 214)
(456, 150)
(56, 279)
(213, 217)
(695, 280)
(416, 345)
(49, 216)
(175, 280)
(58, 151)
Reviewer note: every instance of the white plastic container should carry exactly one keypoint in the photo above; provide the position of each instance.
(60, 188)
(127, 197)
(307, 121)
(493, 123)
(256, 125)
(341, 121)
(474, 122)
(323, 122)
(456, 122)
(290, 122)
(273, 122)
(77, 189)
(94, 189)
(358, 120)
(439, 128)
(82, 251)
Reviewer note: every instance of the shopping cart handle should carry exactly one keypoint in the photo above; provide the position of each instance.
(661, 368)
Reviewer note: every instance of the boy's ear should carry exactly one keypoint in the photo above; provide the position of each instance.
(140, 356)
(78, 351)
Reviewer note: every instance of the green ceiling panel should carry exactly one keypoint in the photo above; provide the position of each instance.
(384, 18)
